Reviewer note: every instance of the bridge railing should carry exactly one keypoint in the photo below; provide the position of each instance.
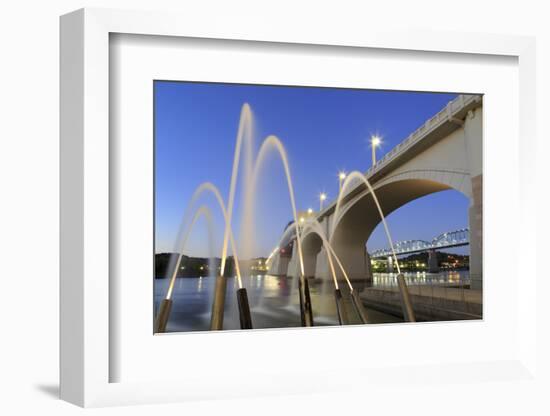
(441, 117)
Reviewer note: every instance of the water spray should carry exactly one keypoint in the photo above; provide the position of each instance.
(219, 297)
(165, 307)
(272, 143)
(342, 315)
(406, 304)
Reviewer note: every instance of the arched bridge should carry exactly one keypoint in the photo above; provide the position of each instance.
(444, 153)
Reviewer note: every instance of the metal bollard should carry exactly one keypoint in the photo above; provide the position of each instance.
(359, 307)
(218, 307)
(340, 309)
(163, 315)
(244, 309)
(406, 304)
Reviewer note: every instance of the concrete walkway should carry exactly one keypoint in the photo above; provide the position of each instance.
(430, 302)
(439, 291)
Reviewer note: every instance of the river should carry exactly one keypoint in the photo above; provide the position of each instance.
(273, 301)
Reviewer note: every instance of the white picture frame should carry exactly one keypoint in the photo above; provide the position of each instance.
(86, 302)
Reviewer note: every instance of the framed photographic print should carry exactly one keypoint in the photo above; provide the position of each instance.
(272, 213)
(265, 261)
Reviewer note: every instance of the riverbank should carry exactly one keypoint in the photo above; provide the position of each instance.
(430, 303)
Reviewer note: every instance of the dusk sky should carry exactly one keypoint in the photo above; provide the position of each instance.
(324, 131)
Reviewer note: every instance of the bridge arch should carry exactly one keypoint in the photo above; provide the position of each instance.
(408, 186)
(359, 216)
(311, 246)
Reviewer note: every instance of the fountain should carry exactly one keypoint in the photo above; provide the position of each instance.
(315, 227)
(185, 230)
(271, 143)
(253, 169)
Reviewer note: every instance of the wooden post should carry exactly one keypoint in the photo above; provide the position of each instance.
(244, 309)
(306, 313)
(307, 304)
(163, 316)
(302, 302)
(218, 307)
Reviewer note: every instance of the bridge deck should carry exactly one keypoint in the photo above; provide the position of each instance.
(433, 130)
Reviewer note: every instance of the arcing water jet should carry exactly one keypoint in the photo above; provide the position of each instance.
(406, 304)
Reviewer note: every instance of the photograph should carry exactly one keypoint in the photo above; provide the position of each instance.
(281, 206)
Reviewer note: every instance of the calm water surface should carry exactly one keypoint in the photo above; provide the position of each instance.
(273, 300)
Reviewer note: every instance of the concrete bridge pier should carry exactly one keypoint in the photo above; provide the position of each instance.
(356, 271)
(390, 264)
(433, 265)
(294, 263)
(322, 268)
(354, 257)
(279, 265)
(472, 134)
(476, 227)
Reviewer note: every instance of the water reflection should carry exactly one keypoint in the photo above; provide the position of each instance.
(274, 300)
(450, 278)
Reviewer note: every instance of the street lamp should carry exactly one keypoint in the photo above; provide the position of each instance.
(374, 141)
(322, 197)
(341, 177)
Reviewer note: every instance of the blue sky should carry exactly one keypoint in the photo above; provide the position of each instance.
(324, 131)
